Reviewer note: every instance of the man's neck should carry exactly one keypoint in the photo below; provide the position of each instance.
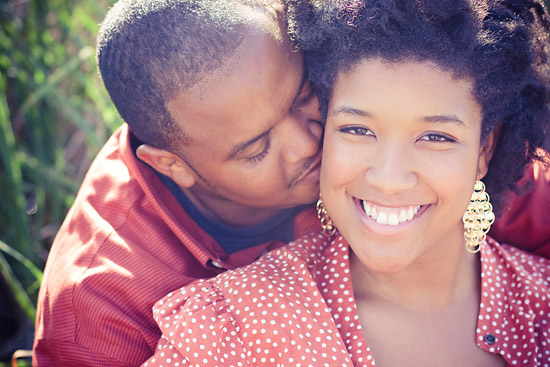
(231, 237)
(230, 213)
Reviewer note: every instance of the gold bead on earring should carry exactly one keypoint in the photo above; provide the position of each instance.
(478, 218)
(326, 223)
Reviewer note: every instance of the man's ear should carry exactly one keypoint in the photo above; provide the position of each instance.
(486, 152)
(168, 164)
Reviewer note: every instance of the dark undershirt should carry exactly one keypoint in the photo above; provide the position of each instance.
(233, 239)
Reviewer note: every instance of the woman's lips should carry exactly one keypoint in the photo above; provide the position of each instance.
(391, 216)
(389, 221)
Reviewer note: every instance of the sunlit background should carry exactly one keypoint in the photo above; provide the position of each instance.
(54, 117)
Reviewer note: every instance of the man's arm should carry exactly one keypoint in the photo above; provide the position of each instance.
(525, 222)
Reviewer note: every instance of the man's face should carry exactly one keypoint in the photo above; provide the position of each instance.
(254, 133)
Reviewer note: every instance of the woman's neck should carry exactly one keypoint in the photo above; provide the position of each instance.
(430, 284)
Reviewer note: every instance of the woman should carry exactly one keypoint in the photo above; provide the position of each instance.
(422, 99)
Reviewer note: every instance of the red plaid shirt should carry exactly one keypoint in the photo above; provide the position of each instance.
(125, 243)
(525, 223)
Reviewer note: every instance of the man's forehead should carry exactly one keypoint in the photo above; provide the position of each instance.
(261, 68)
(253, 89)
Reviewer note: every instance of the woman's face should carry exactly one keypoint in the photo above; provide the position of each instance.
(401, 155)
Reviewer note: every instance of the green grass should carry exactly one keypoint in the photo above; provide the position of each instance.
(54, 117)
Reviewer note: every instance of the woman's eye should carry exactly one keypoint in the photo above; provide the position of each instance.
(438, 138)
(356, 130)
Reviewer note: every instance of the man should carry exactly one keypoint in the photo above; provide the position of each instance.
(217, 161)
(221, 151)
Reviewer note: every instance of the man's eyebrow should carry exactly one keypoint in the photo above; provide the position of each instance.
(239, 148)
(302, 83)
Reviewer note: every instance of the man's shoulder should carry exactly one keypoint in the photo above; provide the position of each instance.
(123, 211)
(118, 251)
(109, 209)
(100, 284)
(525, 222)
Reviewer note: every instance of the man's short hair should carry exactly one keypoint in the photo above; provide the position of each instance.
(149, 51)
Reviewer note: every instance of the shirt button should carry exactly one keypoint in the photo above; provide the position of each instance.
(490, 339)
(216, 264)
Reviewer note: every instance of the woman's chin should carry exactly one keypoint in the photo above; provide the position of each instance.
(383, 264)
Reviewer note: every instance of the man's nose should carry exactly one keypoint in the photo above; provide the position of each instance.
(303, 139)
(305, 131)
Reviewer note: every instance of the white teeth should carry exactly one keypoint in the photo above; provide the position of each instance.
(390, 216)
(411, 212)
(393, 220)
(374, 214)
(403, 215)
(382, 218)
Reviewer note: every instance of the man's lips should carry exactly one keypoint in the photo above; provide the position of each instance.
(311, 166)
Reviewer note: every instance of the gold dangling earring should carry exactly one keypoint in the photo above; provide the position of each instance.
(478, 218)
(326, 223)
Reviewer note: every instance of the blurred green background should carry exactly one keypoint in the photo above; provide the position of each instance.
(54, 117)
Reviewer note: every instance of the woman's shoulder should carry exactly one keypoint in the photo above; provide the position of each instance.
(515, 303)
(516, 259)
(309, 249)
(279, 265)
(516, 272)
(277, 269)
(271, 301)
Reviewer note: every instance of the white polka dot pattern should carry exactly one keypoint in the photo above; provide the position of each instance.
(295, 307)
(267, 314)
(515, 306)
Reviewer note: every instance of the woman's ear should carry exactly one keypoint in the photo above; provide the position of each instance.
(486, 152)
(168, 164)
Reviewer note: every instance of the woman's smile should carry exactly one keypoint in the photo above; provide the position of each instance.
(388, 220)
(391, 216)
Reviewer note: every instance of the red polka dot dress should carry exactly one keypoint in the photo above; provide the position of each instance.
(295, 307)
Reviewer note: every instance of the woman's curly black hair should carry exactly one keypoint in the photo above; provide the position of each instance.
(502, 46)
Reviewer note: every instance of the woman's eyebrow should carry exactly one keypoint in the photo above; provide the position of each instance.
(445, 119)
(345, 110)
(453, 119)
